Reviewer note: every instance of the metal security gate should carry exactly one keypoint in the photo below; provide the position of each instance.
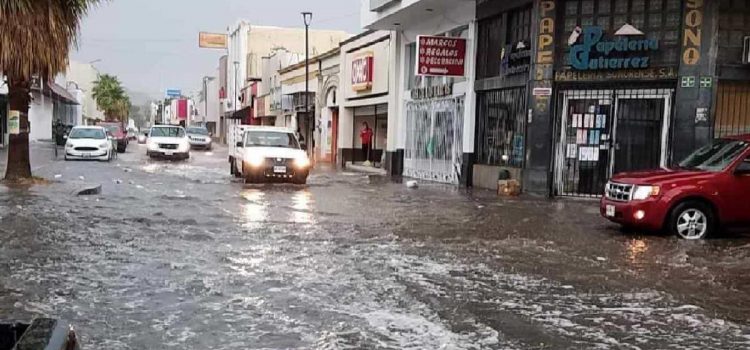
(434, 139)
(732, 105)
(604, 132)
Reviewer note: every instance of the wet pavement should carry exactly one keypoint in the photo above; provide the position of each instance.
(181, 256)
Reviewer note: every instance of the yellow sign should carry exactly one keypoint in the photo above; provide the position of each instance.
(212, 40)
(692, 32)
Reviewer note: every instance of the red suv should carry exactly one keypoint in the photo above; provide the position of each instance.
(118, 133)
(709, 189)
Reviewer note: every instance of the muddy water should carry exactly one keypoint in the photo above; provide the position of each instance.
(180, 256)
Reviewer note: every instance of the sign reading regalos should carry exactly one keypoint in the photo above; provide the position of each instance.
(593, 52)
(212, 40)
(362, 72)
(441, 56)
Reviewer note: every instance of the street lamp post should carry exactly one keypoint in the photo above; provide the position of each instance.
(307, 17)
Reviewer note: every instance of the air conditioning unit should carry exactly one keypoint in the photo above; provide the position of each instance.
(746, 50)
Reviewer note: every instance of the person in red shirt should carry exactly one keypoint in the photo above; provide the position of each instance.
(366, 136)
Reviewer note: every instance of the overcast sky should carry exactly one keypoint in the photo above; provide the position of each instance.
(153, 44)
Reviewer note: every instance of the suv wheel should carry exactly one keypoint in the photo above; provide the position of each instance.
(692, 220)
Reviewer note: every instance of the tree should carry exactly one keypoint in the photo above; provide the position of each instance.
(111, 98)
(35, 39)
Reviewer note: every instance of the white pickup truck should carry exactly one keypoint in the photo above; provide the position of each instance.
(260, 154)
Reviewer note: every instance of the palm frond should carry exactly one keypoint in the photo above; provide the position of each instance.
(36, 35)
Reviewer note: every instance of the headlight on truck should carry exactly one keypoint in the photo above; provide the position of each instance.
(256, 160)
(644, 192)
(302, 162)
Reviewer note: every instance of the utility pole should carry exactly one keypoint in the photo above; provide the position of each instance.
(234, 103)
(307, 17)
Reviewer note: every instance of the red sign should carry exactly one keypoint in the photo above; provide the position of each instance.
(441, 56)
(362, 71)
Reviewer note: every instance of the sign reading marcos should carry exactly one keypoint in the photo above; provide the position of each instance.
(441, 56)
(362, 72)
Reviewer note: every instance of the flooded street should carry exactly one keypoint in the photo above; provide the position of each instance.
(182, 256)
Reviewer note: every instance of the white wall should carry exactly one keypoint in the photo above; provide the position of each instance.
(462, 13)
(40, 117)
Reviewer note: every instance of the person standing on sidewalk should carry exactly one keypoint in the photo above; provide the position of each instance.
(366, 136)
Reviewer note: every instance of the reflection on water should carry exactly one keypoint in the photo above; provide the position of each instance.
(301, 203)
(255, 209)
(636, 249)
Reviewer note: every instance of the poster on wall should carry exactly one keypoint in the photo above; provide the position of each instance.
(441, 56)
(14, 122)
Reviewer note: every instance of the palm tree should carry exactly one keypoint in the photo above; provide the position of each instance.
(35, 39)
(110, 97)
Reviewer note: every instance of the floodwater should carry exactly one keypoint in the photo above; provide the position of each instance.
(181, 256)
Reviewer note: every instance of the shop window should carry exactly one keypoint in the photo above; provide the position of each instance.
(499, 36)
(734, 25)
(501, 127)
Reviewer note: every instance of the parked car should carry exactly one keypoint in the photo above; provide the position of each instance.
(132, 134)
(119, 133)
(168, 141)
(200, 138)
(88, 142)
(142, 137)
(269, 154)
(708, 190)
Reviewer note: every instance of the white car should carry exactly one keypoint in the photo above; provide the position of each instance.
(270, 154)
(90, 143)
(168, 141)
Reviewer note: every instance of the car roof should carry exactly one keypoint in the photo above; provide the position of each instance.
(88, 127)
(166, 126)
(269, 128)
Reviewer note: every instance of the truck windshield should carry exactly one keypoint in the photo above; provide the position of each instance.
(271, 139)
(167, 132)
(715, 156)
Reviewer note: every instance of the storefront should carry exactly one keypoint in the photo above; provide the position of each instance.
(439, 98)
(502, 85)
(329, 65)
(611, 86)
(616, 76)
(366, 69)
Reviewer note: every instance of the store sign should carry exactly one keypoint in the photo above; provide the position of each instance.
(441, 56)
(692, 29)
(516, 59)
(212, 40)
(437, 91)
(653, 73)
(362, 72)
(593, 52)
(14, 122)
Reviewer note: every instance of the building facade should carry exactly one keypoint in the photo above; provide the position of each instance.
(367, 100)
(434, 114)
(327, 105)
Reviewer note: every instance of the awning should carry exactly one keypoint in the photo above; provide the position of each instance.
(241, 114)
(59, 93)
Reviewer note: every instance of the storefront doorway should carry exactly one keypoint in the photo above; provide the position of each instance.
(604, 132)
(434, 139)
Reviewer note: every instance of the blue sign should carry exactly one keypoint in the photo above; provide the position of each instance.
(173, 93)
(624, 52)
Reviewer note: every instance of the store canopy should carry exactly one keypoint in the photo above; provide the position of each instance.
(59, 93)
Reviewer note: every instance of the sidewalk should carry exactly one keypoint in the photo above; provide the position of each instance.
(41, 153)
